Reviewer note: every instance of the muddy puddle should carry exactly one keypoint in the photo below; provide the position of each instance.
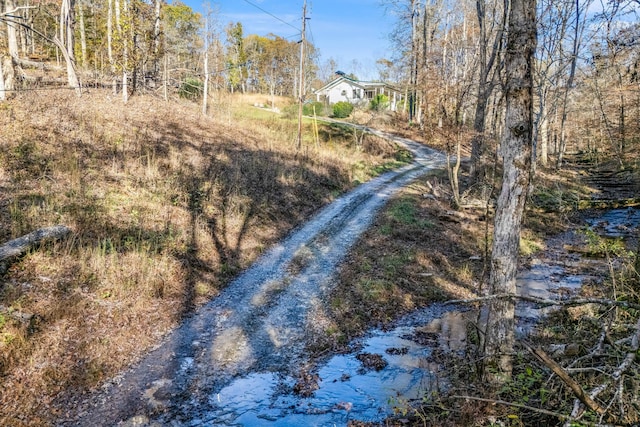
(389, 367)
(384, 370)
(560, 271)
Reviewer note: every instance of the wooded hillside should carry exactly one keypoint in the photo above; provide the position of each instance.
(449, 61)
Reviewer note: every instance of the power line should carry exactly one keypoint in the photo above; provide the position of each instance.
(272, 15)
(292, 36)
(310, 32)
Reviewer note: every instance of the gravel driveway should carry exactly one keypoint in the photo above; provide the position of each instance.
(259, 323)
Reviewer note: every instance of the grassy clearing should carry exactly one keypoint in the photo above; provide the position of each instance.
(166, 206)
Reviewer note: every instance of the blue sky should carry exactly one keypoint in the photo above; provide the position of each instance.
(345, 30)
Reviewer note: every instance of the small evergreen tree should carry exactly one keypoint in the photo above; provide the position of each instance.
(191, 89)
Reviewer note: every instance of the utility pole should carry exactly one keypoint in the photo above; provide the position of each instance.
(301, 74)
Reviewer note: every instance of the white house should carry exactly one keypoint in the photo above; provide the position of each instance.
(357, 92)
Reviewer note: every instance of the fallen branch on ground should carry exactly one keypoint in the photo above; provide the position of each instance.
(22, 244)
(616, 380)
(521, 406)
(20, 316)
(548, 302)
(564, 376)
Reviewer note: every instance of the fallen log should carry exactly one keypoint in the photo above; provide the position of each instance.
(22, 244)
(609, 204)
(26, 63)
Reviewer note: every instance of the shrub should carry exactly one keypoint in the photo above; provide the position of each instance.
(307, 109)
(342, 109)
(290, 111)
(379, 103)
(191, 89)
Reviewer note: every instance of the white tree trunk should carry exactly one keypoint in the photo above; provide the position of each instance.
(3, 95)
(83, 35)
(165, 79)
(72, 76)
(499, 317)
(110, 32)
(205, 94)
(66, 43)
(543, 137)
(157, 38)
(12, 34)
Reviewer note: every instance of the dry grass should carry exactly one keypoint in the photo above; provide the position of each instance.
(417, 252)
(166, 206)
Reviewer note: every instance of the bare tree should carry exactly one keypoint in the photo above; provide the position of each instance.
(66, 41)
(553, 21)
(13, 22)
(579, 13)
(498, 319)
(491, 24)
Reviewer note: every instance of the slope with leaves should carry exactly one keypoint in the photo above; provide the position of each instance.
(165, 206)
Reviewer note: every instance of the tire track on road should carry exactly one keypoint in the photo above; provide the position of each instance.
(259, 322)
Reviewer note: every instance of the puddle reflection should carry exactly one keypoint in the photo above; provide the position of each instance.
(347, 390)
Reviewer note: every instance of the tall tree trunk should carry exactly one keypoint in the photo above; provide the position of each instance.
(112, 64)
(110, 31)
(572, 73)
(125, 48)
(205, 93)
(67, 41)
(67, 25)
(23, 32)
(83, 35)
(499, 318)
(488, 69)
(3, 95)
(12, 35)
(165, 78)
(156, 39)
(413, 79)
(543, 134)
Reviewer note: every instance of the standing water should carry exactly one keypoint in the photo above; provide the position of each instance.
(385, 369)
(352, 387)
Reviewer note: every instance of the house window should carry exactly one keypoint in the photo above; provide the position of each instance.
(357, 93)
(370, 94)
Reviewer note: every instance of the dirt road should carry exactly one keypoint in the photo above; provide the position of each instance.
(259, 323)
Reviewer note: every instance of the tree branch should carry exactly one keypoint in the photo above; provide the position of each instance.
(520, 406)
(9, 13)
(631, 354)
(562, 374)
(22, 244)
(548, 302)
